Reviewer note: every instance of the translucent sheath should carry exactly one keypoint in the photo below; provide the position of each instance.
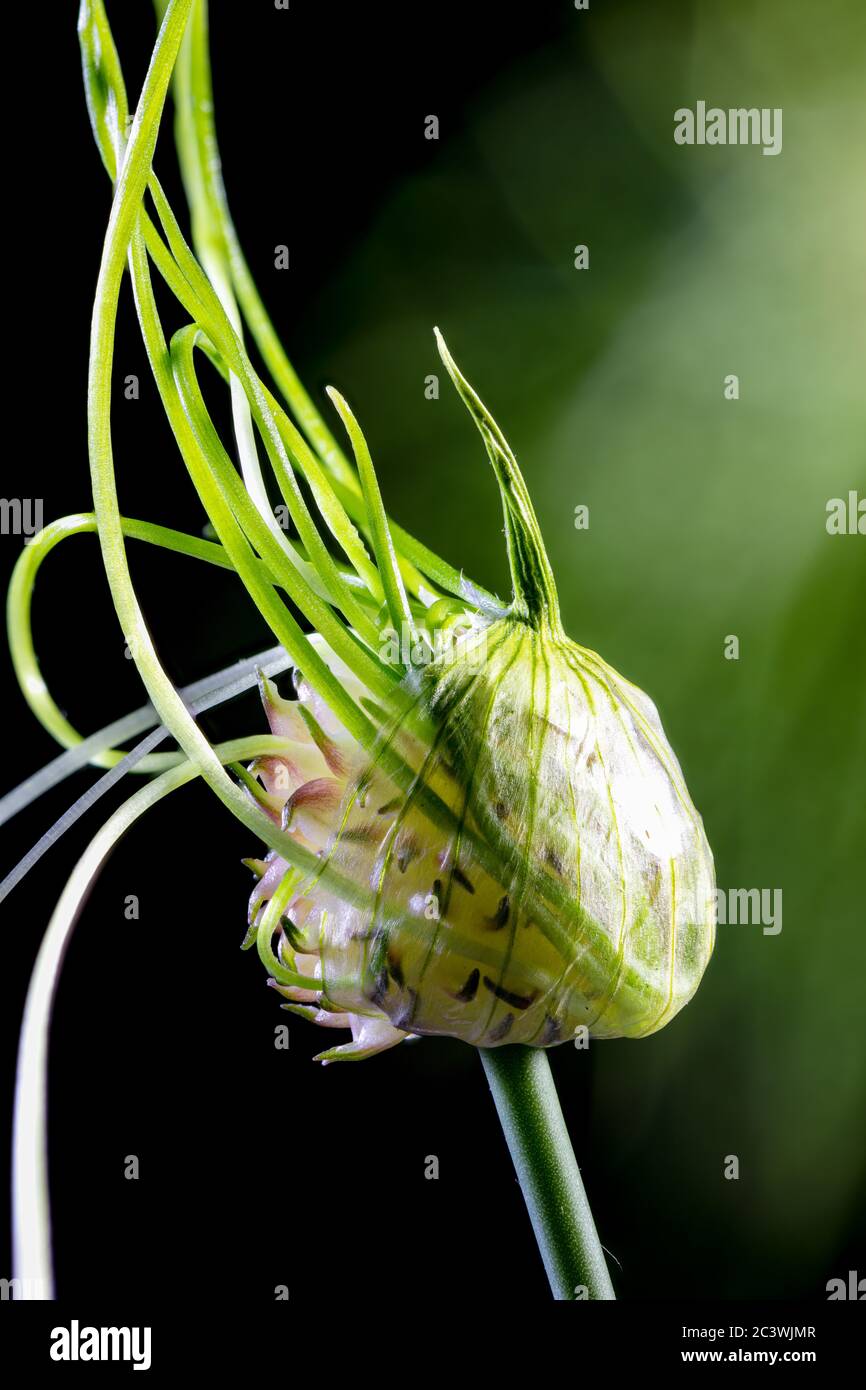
(518, 859)
(543, 870)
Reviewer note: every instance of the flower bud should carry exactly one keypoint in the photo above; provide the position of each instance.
(519, 858)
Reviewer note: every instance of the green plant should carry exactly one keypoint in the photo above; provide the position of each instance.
(473, 826)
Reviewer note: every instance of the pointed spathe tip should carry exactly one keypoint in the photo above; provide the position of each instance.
(532, 578)
(442, 346)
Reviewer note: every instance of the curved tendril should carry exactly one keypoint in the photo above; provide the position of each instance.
(214, 231)
(25, 661)
(342, 504)
(31, 1213)
(201, 696)
(79, 808)
(218, 316)
(122, 231)
(223, 497)
(383, 545)
(200, 169)
(323, 567)
(222, 515)
(331, 509)
(185, 276)
(269, 922)
(212, 222)
(216, 324)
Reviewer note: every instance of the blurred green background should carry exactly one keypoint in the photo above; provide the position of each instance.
(707, 518)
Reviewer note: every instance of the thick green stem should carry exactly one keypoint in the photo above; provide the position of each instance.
(547, 1170)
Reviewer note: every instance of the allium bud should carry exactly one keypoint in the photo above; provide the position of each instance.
(519, 858)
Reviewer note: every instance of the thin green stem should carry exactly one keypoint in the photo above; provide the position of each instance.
(383, 545)
(537, 1138)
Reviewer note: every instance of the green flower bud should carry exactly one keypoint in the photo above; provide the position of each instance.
(522, 856)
